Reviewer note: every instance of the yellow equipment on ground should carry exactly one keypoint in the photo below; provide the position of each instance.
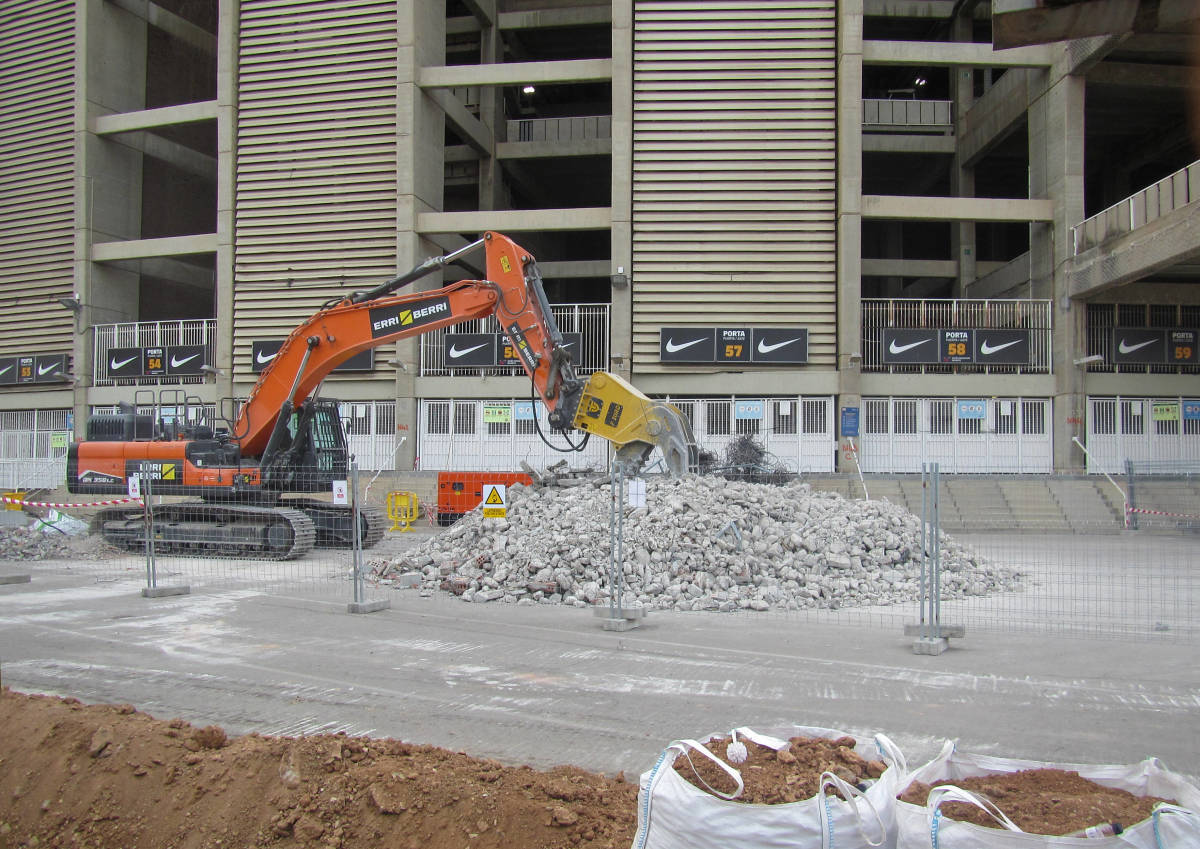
(402, 507)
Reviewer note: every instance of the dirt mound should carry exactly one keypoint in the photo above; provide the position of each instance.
(773, 777)
(1042, 801)
(107, 776)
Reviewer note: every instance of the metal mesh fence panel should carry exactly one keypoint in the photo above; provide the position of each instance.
(303, 543)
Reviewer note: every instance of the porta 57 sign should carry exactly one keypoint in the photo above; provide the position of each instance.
(726, 345)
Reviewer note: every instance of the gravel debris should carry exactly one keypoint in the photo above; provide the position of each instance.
(701, 543)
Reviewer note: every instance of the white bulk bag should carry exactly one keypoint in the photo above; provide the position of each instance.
(926, 827)
(674, 814)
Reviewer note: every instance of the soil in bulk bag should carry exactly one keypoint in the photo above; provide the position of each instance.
(674, 813)
(1170, 825)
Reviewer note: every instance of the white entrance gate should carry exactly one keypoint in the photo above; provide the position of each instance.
(1141, 429)
(495, 436)
(961, 435)
(796, 431)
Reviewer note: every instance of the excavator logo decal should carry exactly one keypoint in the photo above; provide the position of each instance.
(387, 320)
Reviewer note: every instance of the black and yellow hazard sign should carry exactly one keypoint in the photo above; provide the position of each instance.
(495, 501)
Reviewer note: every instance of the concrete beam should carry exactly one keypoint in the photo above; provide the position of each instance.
(170, 23)
(949, 53)
(483, 11)
(515, 73)
(174, 153)
(1003, 281)
(576, 268)
(909, 268)
(1166, 241)
(468, 127)
(146, 119)
(515, 220)
(203, 243)
(993, 117)
(941, 10)
(579, 16)
(537, 150)
(907, 143)
(905, 208)
(1170, 77)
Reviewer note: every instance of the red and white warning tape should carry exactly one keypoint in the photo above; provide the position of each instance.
(1161, 513)
(10, 500)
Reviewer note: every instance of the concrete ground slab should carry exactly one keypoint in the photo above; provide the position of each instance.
(542, 685)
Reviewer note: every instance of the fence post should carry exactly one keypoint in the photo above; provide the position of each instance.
(152, 589)
(619, 617)
(1131, 522)
(929, 630)
(359, 604)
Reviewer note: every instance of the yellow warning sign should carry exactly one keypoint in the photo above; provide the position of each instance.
(495, 501)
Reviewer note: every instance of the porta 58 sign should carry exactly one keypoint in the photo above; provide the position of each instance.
(980, 346)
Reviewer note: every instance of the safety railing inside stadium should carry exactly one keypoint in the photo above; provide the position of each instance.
(149, 334)
(879, 314)
(1167, 195)
(591, 321)
(903, 115)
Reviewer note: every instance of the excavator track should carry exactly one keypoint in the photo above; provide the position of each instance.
(223, 530)
(333, 522)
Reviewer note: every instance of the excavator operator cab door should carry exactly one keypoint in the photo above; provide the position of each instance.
(325, 454)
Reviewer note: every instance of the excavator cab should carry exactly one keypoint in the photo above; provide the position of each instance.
(311, 452)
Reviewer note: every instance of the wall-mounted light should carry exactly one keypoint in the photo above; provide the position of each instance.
(619, 281)
(528, 90)
(211, 371)
(73, 304)
(1088, 360)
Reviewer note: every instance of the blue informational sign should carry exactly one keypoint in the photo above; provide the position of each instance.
(1191, 411)
(523, 411)
(850, 421)
(972, 409)
(743, 410)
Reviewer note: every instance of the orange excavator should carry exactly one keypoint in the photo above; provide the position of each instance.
(285, 440)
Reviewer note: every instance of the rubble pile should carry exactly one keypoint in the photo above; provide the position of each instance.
(29, 543)
(700, 544)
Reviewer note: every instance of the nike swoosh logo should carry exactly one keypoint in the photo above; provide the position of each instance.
(987, 349)
(5, 369)
(455, 353)
(1129, 349)
(900, 349)
(115, 364)
(42, 370)
(264, 360)
(764, 348)
(177, 363)
(672, 347)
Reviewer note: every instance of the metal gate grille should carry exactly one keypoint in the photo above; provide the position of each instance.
(1141, 430)
(796, 431)
(994, 435)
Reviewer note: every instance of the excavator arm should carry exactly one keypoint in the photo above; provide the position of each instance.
(604, 404)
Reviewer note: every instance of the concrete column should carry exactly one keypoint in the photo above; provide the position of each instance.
(111, 74)
(491, 115)
(227, 84)
(1056, 153)
(849, 214)
(962, 177)
(420, 154)
(621, 315)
